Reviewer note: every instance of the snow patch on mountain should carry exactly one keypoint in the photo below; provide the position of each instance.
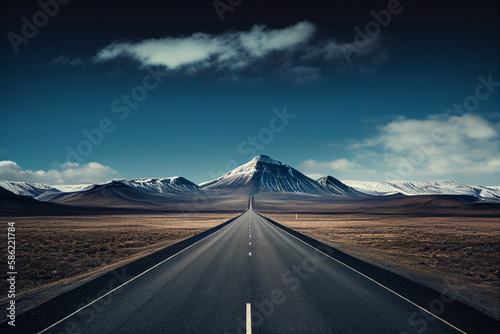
(162, 185)
(73, 187)
(26, 189)
(251, 166)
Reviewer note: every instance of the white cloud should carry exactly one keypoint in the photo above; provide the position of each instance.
(458, 144)
(336, 165)
(438, 147)
(464, 148)
(259, 42)
(290, 50)
(70, 173)
(168, 52)
(339, 168)
(454, 132)
(231, 49)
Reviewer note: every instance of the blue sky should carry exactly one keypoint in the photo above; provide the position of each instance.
(158, 89)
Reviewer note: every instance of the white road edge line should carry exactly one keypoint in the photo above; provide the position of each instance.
(130, 280)
(374, 281)
(249, 318)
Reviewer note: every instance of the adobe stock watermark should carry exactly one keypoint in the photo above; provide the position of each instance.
(372, 29)
(30, 28)
(225, 6)
(471, 103)
(122, 107)
(11, 273)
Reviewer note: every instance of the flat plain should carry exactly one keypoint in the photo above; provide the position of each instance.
(436, 241)
(57, 253)
(447, 244)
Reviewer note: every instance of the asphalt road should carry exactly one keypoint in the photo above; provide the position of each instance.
(250, 274)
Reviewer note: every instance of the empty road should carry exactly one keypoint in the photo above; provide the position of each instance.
(250, 276)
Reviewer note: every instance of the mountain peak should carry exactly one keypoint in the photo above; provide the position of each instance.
(267, 159)
(264, 174)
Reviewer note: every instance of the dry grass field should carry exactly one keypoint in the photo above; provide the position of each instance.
(429, 250)
(55, 254)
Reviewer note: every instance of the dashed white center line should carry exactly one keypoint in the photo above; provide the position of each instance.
(249, 253)
(250, 243)
(249, 318)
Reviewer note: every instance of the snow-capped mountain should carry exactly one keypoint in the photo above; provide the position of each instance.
(112, 194)
(27, 189)
(125, 190)
(263, 174)
(425, 188)
(13, 204)
(152, 186)
(162, 186)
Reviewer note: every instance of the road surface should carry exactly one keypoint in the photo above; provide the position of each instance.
(250, 276)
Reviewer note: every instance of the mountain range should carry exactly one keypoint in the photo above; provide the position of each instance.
(425, 188)
(262, 174)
